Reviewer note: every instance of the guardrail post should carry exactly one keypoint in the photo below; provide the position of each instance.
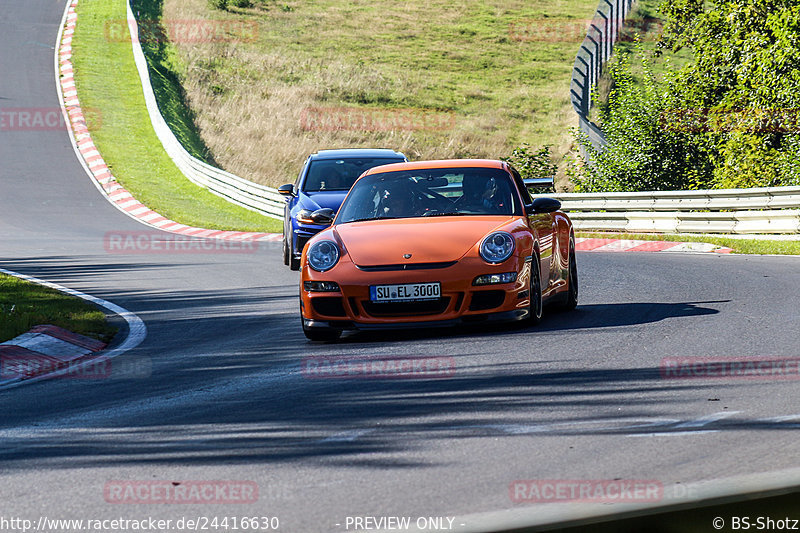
(598, 44)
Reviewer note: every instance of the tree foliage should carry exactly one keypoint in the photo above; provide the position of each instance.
(728, 118)
(530, 164)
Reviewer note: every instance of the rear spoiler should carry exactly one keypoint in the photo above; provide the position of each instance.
(541, 184)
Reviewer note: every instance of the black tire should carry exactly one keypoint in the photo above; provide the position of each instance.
(537, 304)
(572, 280)
(294, 264)
(285, 251)
(321, 334)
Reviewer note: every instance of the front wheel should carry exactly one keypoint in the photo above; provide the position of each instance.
(321, 334)
(286, 253)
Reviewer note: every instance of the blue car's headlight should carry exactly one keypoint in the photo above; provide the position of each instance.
(497, 247)
(323, 255)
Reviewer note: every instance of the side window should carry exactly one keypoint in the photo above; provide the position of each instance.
(300, 176)
(523, 190)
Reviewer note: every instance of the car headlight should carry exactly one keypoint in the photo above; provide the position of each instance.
(322, 255)
(497, 247)
(304, 216)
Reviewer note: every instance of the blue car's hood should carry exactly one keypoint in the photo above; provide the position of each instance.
(323, 199)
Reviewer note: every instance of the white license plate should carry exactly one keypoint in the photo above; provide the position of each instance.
(408, 292)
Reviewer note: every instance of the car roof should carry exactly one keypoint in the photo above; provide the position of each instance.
(443, 163)
(356, 152)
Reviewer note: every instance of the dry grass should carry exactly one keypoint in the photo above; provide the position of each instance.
(436, 56)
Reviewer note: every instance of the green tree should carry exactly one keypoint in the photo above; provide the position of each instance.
(649, 146)
(728, 118)
(745, 69)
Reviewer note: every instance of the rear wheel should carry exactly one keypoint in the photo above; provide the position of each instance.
(536, 291)
(572, 279)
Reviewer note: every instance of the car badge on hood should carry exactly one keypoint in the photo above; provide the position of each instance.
(406, 256)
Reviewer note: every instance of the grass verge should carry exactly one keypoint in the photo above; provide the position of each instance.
(24, 305)
(108, 82)
(739, 246)
(480, 78)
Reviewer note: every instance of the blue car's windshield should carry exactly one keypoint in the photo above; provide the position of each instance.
(339, 174)
(431, 192)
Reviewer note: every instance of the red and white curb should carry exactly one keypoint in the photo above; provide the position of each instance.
(97, 168)
(625, 245)
(60, 351)
(45, 350)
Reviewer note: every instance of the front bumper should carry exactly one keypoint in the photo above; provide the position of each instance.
(460, 302)
(505, 316)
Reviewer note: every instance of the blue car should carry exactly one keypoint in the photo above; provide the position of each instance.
(322, 184)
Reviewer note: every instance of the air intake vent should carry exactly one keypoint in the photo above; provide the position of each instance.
(406, 266)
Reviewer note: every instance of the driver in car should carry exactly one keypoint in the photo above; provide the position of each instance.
(481, 194)
(397, 201)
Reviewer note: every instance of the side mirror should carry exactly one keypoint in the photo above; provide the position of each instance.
(323, 216)
(543, 205)
(286, 190)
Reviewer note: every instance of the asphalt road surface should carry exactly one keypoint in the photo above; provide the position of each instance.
(224, 396)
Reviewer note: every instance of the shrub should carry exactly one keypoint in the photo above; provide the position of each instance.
(532, 165)
(647, 148)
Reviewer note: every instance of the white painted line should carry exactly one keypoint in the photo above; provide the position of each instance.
(706, 420)
(347, 436)
(674, 433)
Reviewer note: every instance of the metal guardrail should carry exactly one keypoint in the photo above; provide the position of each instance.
(757, 210)
(785, 221)
(708, 199)
(253, 196)
(595, 50)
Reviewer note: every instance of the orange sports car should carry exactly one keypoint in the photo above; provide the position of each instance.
(436, 243)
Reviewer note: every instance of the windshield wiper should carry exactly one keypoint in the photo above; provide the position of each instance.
(371, 218)
(446, 214)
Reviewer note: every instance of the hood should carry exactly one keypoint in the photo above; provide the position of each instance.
(428, 240)
(323, 199)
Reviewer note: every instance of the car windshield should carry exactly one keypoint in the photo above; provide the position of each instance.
(431, 192)
(339, 174)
